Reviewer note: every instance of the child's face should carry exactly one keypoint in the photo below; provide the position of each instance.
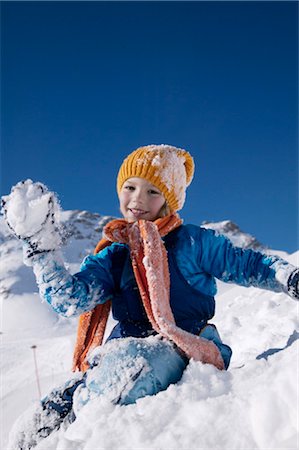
(140, 199)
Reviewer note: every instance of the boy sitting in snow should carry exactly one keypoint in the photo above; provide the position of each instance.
(156, 274)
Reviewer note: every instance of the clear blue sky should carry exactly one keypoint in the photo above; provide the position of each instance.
(84, 83)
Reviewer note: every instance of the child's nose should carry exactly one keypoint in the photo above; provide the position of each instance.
(138, 195)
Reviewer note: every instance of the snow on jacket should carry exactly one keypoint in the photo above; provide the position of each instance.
(196, 257)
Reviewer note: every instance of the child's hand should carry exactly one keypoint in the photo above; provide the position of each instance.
(32, 213)
(293, 285)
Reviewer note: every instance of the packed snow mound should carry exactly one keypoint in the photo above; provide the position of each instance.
(207, 409)
(253, 405)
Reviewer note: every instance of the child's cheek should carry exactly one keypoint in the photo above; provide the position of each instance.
(124, 195)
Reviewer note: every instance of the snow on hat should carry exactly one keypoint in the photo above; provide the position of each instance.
(168, 168)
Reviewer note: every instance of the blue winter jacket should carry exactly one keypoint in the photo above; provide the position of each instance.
(196, 257)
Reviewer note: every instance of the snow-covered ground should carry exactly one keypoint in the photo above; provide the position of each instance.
(254, 405)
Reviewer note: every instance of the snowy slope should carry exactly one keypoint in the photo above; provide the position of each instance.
(252, 406)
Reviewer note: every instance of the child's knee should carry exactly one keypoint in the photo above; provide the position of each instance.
(134, 368)
(163, 367)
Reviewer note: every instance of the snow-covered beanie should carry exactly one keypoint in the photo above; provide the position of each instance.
(168, 168)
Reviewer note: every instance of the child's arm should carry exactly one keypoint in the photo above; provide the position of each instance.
(71, 295)
(220, 258)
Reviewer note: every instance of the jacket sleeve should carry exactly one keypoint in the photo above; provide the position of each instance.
(220, 258)
(71, 295)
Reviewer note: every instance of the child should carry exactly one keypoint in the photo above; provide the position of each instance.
(157, 275)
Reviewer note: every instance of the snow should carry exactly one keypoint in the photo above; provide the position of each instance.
(254, 405)
(33, 212)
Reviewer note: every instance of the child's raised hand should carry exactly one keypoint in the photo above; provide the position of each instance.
(31, 212)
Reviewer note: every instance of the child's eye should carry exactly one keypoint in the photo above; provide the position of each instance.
(129, 188)
(151, 191)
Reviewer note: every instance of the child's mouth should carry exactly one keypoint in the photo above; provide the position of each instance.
(137, 212)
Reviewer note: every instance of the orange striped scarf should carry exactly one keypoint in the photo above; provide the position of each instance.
(150, 266)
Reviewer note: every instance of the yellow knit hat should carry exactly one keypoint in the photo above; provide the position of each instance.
(168, 168)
